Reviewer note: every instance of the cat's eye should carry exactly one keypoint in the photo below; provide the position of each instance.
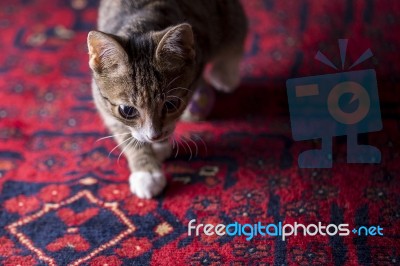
(127, 112)
(172, 105)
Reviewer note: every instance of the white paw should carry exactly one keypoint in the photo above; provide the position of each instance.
(147, 184)
(188, 116)
(225, 80)
(226, 86)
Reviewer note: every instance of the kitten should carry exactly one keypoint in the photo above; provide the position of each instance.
(147, 59)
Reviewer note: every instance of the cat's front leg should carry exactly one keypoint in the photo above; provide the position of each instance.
(147, 179)
(145, 162)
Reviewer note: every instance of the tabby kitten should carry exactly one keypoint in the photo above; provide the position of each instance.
(147, 59)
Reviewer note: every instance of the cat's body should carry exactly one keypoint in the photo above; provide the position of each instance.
(147, 65)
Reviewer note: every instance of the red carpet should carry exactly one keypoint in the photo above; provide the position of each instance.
(65, 200)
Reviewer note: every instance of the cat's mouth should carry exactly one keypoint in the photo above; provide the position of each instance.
(148, 137)
(159, 139)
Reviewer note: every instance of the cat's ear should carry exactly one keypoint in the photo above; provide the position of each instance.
(106, 55)
(175, 48)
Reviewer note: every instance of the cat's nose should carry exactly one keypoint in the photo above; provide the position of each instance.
(155, 136)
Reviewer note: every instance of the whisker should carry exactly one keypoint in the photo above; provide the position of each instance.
(138, 145)
(167, 109)
(174, 80)
(119, 145)
(180, 142)
(180, 99)
(172, 104)
(197, 150)
(177, 148)
(178, 88)
(204, 144)
(135, 145)
(119, 156)
(141, 144)
(191, 154)
(111, 136)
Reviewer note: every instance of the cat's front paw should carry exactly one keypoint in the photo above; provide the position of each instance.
(147, 184)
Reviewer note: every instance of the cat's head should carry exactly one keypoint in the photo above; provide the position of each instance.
(144, 81)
